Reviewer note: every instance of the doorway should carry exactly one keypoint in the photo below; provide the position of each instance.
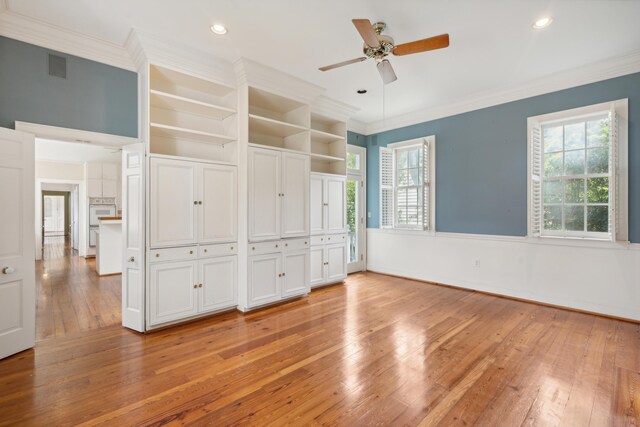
(356, 208)
(57, 221)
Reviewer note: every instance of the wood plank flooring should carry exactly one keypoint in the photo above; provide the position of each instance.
(378, 350)
(71, 297)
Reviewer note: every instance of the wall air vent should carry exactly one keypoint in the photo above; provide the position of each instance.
(57, 66)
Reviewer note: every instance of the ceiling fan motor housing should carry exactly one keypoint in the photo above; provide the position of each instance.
(386, 43)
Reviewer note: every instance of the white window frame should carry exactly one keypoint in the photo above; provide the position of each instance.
(429, 211)
(620, 179)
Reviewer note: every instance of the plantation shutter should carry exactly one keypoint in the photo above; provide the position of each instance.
(426, 186)
(536, 180)
(386, 188)
(613, 172)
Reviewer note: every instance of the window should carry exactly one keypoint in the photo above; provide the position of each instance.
(576, 182)
(406, 184)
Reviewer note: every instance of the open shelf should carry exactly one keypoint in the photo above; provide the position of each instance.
(325, 157)
(321, 136)
(278, 108)
(272, 127)
(166, 131)
(180, 83)
(187, 105)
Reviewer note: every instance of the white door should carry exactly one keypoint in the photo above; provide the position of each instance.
(17, 245)
(219, 284)
(218, 190)
(172, 203)
(296, 275)
(336, 205)
(295, 195)
(317, 268)
(133, 246)
(265, 196)
(356, 207)
(265, 274)
(336, 262)
(173, 291)
(75, 217)
(316, 204)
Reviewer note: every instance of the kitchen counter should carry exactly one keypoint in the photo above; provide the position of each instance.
(109, 246)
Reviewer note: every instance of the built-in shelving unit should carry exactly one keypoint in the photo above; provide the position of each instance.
(328, 145)
(191, 117)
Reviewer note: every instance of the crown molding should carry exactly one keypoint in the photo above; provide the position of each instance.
(146, 47)
(33, 31)
(357, 126)
(595, 72)
(328, 107)
(262, 77)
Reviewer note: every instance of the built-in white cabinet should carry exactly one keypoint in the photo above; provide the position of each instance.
(278, 270)
(189, 281)
(328, 202)
(191, 202)
(278, 194)
(328, 258)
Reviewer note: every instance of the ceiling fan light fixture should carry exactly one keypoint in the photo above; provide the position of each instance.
(542, 23)
(219, 29)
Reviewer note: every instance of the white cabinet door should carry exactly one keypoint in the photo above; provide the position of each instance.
(317, 266)
(295, 195)
(172, 203)
(218, 280)
(316, 204)
(217, 189)
(94, 187)
(336, 204)
(296, 276)
(109, 188)
(172, 291)
(94, 170)
(109, 171)
(337, 262)
(264, 194)
(264, 279)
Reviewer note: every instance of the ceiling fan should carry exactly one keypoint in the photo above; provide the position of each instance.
(378, 46)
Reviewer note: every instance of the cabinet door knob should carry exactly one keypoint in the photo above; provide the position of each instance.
(199, 202)
(195, 286)
(205, 251)
(191, 252)
(325, 204)
(132, 259)
(286, 244)
(253, 248)
(276, 246)
(157, 255)
(200, 285)
(282, 274)
(231, 247)
(195, 202)
(8, 270)
(328, 238)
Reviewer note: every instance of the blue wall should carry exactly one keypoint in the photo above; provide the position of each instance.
(94, 97)
(481, 159)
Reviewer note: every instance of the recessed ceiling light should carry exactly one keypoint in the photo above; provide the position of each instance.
(362, 91)
(219, 29)
(542, 23)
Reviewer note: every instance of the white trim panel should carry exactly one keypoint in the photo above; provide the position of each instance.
(601, 278)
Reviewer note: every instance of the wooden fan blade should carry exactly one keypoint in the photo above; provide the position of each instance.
(367, 33)
(386, 72)
(432, 43)
(342, 64)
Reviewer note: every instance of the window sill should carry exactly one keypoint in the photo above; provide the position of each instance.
(581, 242)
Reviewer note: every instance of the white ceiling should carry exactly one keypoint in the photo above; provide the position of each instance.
(493, 46)
(74, 152)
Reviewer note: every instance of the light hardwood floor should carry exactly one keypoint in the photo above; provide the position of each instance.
(376, 351)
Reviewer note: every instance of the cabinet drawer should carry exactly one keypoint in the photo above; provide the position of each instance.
(335, 238)
(318, 240)
(173, 254)
(295, 244)
(265, 247)
(206, 251)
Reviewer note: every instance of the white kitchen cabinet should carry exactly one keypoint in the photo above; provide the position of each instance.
(172, 291)
(278, 194)
(192, 203)
(109, 188)
(94, 170)
(295, 195)
(328, 259)
(328, 204)
(265, 274)
(110, 171)
(94, 187)
(102, 179)
(172, 203)
(218, 190)
(218, 280)
(296, 273)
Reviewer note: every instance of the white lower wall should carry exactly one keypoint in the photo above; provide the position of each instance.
(594, 276)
